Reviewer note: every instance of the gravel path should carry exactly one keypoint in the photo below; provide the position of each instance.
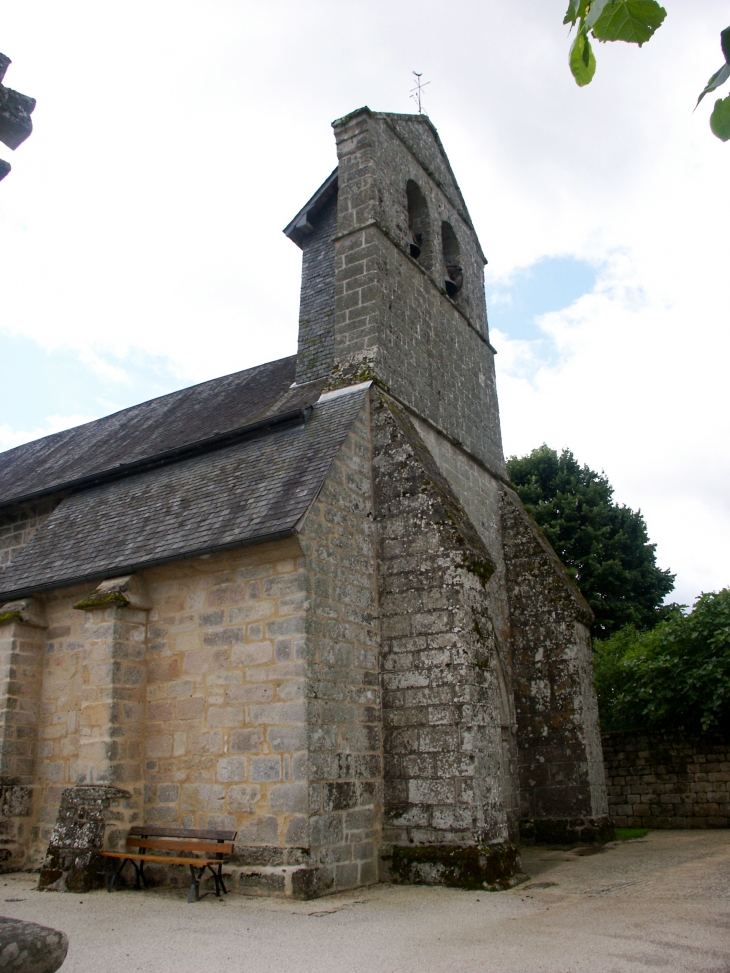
(660, 903)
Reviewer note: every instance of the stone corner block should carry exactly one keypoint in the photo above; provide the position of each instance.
(126, 592)
(27, 611)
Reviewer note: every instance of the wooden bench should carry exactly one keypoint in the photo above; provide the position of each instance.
(148, 843)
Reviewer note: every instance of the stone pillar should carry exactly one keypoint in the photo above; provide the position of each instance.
(22, 641)
(111, 720)
(562, 783)
(86, 815)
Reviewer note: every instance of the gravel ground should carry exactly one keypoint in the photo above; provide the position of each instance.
(659, 903)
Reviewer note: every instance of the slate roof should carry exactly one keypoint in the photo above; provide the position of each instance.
(301, 226)
(255, 490)
(171, 426)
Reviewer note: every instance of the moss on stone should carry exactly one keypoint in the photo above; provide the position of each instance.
(567, 831)
(11, 616)
(480, 567)
(106, 599)
(491, 867)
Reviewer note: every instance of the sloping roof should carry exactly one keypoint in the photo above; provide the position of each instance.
(301, 226)
(255, 490)
(160, 430)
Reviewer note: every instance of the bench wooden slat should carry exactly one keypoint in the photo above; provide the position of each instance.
(145, 838)
(152, 831)
(168, 859)
(177, 844)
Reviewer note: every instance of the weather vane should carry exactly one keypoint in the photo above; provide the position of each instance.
(416, 92)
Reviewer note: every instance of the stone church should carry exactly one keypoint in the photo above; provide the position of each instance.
(302, 601)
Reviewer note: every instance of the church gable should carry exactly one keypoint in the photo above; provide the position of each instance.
(422, 140)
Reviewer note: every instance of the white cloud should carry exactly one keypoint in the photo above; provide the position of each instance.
(10, 437)
(144, 215)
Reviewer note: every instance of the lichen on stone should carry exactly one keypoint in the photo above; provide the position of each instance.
(103, 599)
(11, 616)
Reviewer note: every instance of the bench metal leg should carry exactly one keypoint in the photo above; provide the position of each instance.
(217, 879)
(139, 869)
(194, 893)
(218, 876)
(115, 875)
(196, 874)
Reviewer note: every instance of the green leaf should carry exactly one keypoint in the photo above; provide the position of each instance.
(720, 119)
(576, 10)
(582, 60)
(633, 21)
(725, 43)
(718, 78)
(571, 14)
(597, 8)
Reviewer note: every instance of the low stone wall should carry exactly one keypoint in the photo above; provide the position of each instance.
(16, 818)
(657, 780)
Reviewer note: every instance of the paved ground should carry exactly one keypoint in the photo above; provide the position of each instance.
(661, 903)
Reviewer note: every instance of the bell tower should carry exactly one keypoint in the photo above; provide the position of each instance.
(405, 288)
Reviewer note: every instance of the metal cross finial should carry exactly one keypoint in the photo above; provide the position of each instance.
(416, 92)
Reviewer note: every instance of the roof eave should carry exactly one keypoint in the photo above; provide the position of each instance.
(134, 567)
(301, 226)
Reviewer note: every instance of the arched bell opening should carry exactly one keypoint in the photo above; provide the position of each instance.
(452, 260)
(419, 225)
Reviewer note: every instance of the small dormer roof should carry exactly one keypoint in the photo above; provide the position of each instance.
(301, 226)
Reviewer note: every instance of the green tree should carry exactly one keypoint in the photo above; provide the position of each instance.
(634, 21)
(675, 676)
(604, 545)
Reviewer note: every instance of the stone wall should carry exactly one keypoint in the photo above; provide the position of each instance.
(344, 765)
(21, 657)
(235, 691)
(562, 784)
(479, 492)
(218, 703)
(379, 153)
(393, 319)
(315, 352)
(441, 707)
(658, 780)
(16, 820)
(22, 645)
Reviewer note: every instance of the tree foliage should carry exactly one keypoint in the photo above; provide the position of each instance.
(675, 676)
(604, 545)
(635, 22)
(720, 117)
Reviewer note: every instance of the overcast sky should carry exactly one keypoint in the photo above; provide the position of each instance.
(141, 224)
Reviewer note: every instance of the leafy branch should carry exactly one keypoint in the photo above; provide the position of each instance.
(635, 22)
(720, 117)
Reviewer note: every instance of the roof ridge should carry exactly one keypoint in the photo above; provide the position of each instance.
(138, 405)
(197, 418)
(174, 455)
